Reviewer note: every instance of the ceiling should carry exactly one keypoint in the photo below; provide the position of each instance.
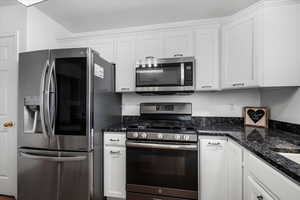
(91, 15)
(7, 2)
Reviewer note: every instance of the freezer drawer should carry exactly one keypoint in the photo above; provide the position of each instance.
(53, 175)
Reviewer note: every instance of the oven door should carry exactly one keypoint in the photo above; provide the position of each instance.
(166, 169)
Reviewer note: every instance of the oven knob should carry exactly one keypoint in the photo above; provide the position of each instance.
(186, 137)
(135, 135)
(160, 136)
(177, 137)
(144, 135)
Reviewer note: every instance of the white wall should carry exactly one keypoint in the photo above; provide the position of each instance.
(283, 102)
(13, 19)
(218, 104)
(42, 31)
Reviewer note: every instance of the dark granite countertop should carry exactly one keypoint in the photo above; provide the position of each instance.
(262, 142)
(265, 143)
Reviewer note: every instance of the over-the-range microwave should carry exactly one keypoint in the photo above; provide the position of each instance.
(166, 75)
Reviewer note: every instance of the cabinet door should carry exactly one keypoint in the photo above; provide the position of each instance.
(239, 69)
(178, 44)
(212, 169)
(207, 59)
(148, 46)
(104, 47)
(255, 192)
(234, 155)
(125, 65)
(114, 172)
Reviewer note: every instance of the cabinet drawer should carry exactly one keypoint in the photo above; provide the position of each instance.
(114, 139)
(275, 182)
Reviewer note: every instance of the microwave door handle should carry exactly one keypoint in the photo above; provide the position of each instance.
(182, 74)
(42, 101)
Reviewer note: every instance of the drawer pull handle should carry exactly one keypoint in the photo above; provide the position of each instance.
(260, 197)
(178, 55)
(114, 140)
(115, 152)
(149, 57)
(214, 143)
(206, 86)
(238, 84)
(124, 89)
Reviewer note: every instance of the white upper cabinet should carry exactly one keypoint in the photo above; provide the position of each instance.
(207, 59)
(279, 45)
(105, 47)
(149, 45)
(238, 66)
(262, 49)
(178, 43)
(125, 65)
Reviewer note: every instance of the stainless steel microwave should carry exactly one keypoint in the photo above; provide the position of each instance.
(166, 75)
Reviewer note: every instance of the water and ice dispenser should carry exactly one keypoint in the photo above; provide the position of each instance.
(32, 119)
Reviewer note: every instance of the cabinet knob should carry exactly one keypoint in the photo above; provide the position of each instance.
(260, 197)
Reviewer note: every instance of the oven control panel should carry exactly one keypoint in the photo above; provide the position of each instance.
(178, 137)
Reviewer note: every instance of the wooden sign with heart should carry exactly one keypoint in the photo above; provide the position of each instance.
(256, 116)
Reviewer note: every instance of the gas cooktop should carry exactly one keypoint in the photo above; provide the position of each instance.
(162, 124)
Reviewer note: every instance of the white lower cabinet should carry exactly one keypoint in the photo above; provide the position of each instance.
(256, 192)
(263, 182)
(114, 166)
(212, 169)
(230, 172)
(234, 154)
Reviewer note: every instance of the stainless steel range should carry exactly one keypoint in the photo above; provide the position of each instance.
(162, 153)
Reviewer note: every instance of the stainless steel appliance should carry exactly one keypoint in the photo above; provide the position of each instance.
(170, 75)
(66, 97)
(162, 154)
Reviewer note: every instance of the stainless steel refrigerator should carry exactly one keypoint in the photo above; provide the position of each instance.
(66, 97)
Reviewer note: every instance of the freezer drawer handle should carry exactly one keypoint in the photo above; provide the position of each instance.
(53, 159)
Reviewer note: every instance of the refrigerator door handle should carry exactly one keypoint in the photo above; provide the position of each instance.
(42, 102)
(52, 158)
(55, 98)
(49, 121)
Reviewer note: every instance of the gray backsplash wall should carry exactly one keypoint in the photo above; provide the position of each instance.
(216, 104)
(283, 102)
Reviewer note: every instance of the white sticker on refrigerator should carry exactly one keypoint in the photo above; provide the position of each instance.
(98, 71)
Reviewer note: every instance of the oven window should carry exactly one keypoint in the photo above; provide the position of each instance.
(160, 76)
(162, 168)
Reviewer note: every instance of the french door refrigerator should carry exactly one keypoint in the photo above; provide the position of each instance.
(66, 97)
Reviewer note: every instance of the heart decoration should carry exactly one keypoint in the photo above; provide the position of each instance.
(256, 115)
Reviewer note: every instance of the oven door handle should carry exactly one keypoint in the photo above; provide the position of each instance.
(187, 147)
